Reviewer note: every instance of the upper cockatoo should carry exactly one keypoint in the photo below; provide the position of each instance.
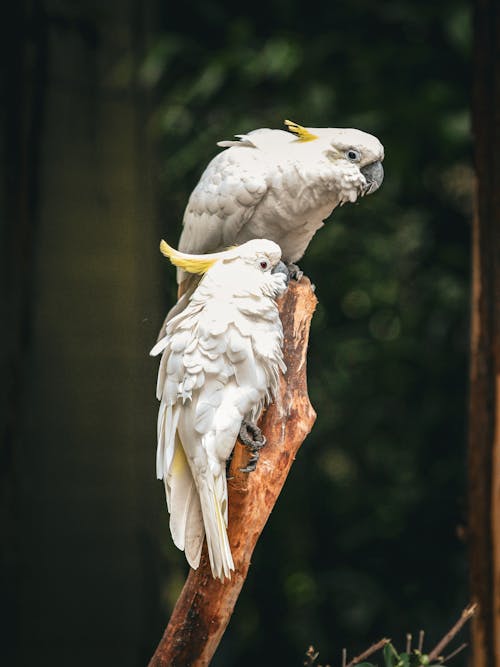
(221, 362)
(278, 185)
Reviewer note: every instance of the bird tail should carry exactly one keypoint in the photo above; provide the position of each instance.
(186, 519)
(195, 512)
(213, 497)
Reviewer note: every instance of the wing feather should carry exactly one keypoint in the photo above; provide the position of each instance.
(229, 190)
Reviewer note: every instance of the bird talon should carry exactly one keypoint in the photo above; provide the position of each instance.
(258, 444)
(249, 468)
(252, 463)
(295, 272)
(251, 436)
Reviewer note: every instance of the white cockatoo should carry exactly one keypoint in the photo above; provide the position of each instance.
(221, 362)
(277, 185)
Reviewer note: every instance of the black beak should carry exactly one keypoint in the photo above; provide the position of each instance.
(281, 268)
(374, 174)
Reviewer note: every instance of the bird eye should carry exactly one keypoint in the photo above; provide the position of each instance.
(353, 155)
(264, 264)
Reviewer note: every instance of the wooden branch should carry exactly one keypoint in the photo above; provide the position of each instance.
(205, 605)
(366, 654)
(467, 614)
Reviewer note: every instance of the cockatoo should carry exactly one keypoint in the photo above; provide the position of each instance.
(221, 362)
(277, 185)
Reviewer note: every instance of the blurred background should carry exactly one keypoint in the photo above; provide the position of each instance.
(110, 112)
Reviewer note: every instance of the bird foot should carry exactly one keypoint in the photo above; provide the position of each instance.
(295, 272)
(251, 436)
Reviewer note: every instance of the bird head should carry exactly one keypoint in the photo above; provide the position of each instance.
(356, 155)
(258, 260)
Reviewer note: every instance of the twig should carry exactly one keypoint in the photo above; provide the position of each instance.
(373, 648)
(455, 652)
(467, 614)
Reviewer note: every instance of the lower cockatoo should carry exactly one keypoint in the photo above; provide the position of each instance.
(221, 363)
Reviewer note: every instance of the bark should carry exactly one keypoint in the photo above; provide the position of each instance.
(205, 605)
(484, 405)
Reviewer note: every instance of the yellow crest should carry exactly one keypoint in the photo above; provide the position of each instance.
(190, 263)
(302, 133)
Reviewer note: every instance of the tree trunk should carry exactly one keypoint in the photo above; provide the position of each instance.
(205, 605)
(484, 414)
(80, 285)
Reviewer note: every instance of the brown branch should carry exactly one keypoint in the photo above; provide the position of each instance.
(467, 614)
(373, 648)
(205, 604)
(455, 652)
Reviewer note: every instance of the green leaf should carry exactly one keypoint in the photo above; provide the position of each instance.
(390, 656)
(404, 660)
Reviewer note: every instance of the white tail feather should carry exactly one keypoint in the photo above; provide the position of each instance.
(195, 512)
(186, 520)
(195, 533)
(214, 512)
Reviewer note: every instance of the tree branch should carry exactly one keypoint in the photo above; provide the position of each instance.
(398, 660)
(205, 604)
(467, 613)
(373, 648)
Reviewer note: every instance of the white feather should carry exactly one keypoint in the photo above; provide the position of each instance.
(269, 184)
(224, 371)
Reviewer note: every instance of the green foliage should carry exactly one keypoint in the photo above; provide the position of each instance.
(413, 659)
(363, 538)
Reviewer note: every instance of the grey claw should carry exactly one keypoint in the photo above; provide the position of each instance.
(251, 436)
(295, 272)
(252, 465)
(252, 462)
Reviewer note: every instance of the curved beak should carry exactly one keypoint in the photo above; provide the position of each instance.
(281, 268)
(374, 174)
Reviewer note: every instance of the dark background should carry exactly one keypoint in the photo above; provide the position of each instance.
(110, 111)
